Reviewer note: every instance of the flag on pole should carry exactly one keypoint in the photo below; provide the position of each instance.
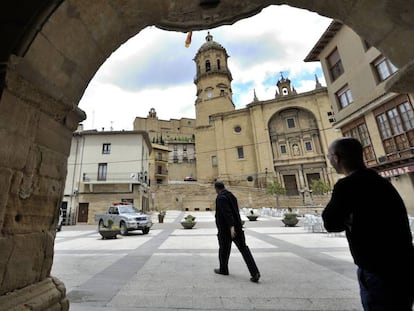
(188, 39)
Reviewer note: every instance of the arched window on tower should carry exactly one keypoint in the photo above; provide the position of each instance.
(218, 64)
(208, 66)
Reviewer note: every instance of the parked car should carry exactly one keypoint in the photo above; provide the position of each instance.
(189, 178)
(127, 217)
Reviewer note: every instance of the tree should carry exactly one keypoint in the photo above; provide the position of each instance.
(319, 186)
(275, 188)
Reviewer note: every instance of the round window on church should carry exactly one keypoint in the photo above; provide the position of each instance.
(237, 129)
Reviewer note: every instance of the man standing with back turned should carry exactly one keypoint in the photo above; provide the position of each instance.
(229, 228)
(374, 217)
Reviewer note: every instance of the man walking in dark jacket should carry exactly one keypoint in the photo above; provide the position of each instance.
(371, 212)
(229, 228)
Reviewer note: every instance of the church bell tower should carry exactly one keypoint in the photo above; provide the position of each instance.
(213, 81)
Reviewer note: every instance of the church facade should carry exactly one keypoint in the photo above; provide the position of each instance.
(284, 138)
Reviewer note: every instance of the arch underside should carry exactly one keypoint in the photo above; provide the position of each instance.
(83, 39)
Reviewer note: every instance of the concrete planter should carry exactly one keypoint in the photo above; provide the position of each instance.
(290, 222)
(188, 225)
(109, 233)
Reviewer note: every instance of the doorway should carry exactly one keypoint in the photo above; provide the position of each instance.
(83, 212)
(290, 184)
(311, 177)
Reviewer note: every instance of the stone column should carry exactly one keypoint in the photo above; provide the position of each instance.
(35, 133)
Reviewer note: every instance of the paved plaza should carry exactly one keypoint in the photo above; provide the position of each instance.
(172, 268)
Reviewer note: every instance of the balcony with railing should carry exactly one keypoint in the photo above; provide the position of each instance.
(162, 172)
(161, 159)
(115, 178)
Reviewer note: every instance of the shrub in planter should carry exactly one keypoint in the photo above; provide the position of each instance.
(108, 232)
(252, 216)
(290, 219)
(188, 222)
(161, 216)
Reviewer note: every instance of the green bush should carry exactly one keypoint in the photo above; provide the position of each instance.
(110, 223)
(319, 186)
(289, 216)
(189, 218)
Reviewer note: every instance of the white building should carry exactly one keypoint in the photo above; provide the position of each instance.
(105, 167)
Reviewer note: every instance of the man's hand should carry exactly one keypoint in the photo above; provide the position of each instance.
(232, 232)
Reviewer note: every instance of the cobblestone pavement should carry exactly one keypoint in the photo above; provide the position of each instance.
(172, 269)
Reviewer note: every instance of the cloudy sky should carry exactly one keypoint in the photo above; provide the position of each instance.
(155, 69)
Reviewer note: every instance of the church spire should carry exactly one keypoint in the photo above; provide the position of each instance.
(284, 86)
(255, 99)
(209, 37)
(318, 85)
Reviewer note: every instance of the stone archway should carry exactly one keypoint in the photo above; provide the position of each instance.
(53, 49)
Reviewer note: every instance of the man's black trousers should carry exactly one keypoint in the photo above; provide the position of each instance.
(224, 239)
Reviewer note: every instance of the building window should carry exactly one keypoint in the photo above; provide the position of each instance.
(395, 121)
(175, 157)
(222, 93)
(240, 152)
(407, 115)
(184, 147)
(102, 170)
(384, 126)
(175, 147)
(218, 64)
(344, 97)
(308, 146)
(384, 68)
(208, 66)
(283, 149)
(364, 135)
(213, 161)
(237, 129)
(106, 148)
(359, 130)
(335, 65)
(290, 123)
(396, 126)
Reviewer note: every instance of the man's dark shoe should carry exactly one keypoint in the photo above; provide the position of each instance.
(255, 278)
(220, 272)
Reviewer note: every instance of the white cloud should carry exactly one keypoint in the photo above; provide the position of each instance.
(277, 39)
(107, 105)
